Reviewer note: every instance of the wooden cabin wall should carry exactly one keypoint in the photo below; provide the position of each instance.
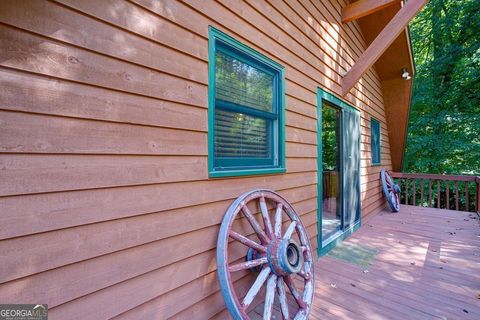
(106, 207)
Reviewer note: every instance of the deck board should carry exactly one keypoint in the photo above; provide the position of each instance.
(427, 267)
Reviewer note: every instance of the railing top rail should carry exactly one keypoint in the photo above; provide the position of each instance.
(426, 176)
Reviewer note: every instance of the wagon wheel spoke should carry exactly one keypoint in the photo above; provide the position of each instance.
(282, 297)
(247, 264)
(303, 239)
(306, 254)
(293, 290)
(391, 181)
(256, 227)
(249, 243)
(304, 275)
(290, 229)
(388, 178)
(397, 200)
(394, 197)
(255, 288)
(387, 182)
(266, 218)
(269, 297)
(278, 220)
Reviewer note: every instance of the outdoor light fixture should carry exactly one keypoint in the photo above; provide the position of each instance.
(405, 74)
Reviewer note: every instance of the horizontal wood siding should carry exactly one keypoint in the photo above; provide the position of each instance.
(105, 201)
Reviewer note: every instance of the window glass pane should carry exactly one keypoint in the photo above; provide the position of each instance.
(331, 175)
(375, 141)
(241, 136)
(240, 83)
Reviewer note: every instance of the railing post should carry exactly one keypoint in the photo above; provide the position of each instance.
(438, 194)
(406, 191)
(421, 192)
(414, 192)
(456, 195)
(467, 204)
(448, 195)
(477, 188)
(429, 193)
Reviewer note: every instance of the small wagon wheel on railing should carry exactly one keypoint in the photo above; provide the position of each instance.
(277, 251)
(391, 191)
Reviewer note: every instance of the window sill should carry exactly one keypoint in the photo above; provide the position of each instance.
(245, 172)
(376, 164)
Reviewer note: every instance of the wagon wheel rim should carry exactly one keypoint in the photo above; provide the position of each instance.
(277, 256)
(390, 189)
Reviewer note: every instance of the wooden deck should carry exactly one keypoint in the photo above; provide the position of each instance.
(427, 266)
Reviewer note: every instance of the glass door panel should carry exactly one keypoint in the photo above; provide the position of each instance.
(332, 174)
(351, 168)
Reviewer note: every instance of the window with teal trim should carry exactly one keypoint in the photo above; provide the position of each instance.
(246, 109)
(375, 141)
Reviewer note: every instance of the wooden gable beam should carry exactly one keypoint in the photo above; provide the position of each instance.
(363, 8)
(384, 39)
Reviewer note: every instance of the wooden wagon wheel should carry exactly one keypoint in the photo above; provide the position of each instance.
(282, 257)
(391, 191)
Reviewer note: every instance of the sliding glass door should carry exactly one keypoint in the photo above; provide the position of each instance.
(338, 169)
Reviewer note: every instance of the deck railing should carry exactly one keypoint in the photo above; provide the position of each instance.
(454, 192)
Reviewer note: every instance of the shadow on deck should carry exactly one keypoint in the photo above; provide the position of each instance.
(426, 266)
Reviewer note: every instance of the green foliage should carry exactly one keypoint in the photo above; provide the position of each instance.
(330, 138)
(240, 83)
(444, 124)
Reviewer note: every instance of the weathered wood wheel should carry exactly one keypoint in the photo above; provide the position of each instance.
(391, 191)
(282, 257)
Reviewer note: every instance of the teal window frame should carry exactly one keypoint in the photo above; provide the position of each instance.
(246, 166)
(375, 130)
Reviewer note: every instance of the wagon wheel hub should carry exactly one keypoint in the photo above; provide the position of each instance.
(284, 257)
(396, 189)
